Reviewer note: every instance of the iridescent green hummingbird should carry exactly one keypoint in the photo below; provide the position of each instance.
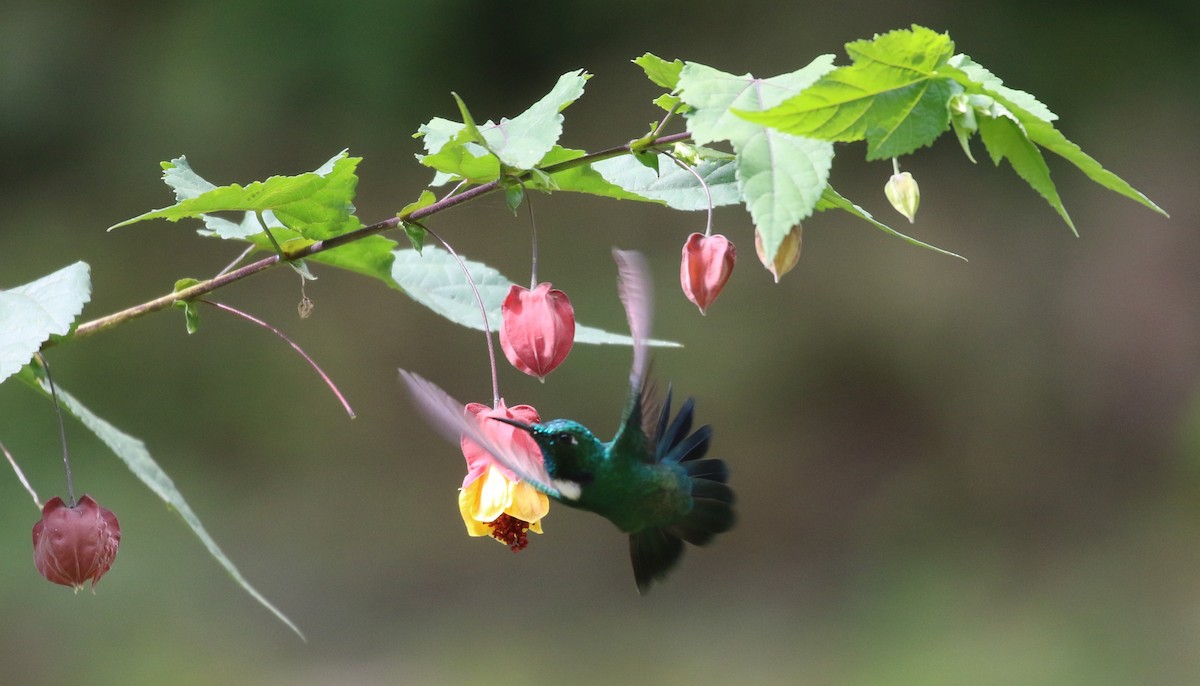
(651, 480)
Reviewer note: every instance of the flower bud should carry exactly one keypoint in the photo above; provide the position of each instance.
(904, 194)
(74, 544)
(706, 266)
(537, 328)
(786, 256)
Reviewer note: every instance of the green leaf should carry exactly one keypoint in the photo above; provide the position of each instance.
(781, 178)
(892, 96)
(426, 199)
(1035, 125)
(519, 143)
(191, 313)
(1045, 135)
(659, 71)
(832, 200)
(370, 256)
(137, 458)
(435, 280)
(675, 187)
(715, 95)
(463, 161)
(31, 313)
(317, 205)
(990, 83)
(416, 236)
(582, 179)
(1005, 139)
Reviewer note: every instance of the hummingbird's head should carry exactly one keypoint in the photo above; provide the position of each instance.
(569, 450)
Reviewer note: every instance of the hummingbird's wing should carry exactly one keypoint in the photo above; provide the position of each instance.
(451, 420)
(635, 289)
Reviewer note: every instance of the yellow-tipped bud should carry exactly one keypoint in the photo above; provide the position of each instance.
(786, 256)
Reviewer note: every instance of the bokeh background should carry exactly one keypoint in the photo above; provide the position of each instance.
(949, 473)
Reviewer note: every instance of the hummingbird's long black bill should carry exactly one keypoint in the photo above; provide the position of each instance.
(513, 422)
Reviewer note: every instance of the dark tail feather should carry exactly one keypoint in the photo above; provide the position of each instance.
(713, 470)
(654, 552)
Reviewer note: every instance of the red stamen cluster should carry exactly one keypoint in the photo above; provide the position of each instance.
(511, 532)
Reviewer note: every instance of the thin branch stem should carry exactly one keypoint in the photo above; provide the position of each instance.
(191, 293)
(250, 318)
(21, 475)
(62, 431)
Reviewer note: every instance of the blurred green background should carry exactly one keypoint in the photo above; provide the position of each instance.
(949, 473)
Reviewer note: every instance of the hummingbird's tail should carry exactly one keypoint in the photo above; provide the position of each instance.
(656, 550)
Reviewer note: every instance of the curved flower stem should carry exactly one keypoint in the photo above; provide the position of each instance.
(707, 193)
(487, 329)
(62, 431)
(161, 303)
(534, 240)
(324, 377)
(895, 165)
(21, 475)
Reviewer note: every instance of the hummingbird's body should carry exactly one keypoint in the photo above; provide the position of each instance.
(651, 480)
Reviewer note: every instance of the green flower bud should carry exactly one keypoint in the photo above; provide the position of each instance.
(904, 194)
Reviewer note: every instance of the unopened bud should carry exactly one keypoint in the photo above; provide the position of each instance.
(537, 328)
(706, 265)
(74, 545)
(786, 256)
(904, 194)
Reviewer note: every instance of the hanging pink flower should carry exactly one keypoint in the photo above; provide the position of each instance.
(493, 501)
(72, 545)
(706, 266)
(537, 328)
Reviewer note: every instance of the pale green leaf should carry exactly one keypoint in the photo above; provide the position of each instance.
(781, 178)
(31, 313)
(676, 187)
(521, 142)
(714, 95)
(137, 458)
(435, 280)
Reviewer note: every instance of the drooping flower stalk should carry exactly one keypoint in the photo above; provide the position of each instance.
(487, 329)
(62, 431)
(320, 372)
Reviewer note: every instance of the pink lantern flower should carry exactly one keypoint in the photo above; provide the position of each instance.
(707, 263)
(74, 544)
(493, 501)
(537, 329)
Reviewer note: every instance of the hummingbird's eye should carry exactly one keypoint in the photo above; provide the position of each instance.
(565, 438)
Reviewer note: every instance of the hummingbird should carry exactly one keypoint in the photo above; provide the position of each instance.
(652, 480)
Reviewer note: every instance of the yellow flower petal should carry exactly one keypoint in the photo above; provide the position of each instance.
(495, 495)
(528, 504)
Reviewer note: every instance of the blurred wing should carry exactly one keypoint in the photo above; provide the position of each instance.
(635, 289)
(449, 417)
(637, 296)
